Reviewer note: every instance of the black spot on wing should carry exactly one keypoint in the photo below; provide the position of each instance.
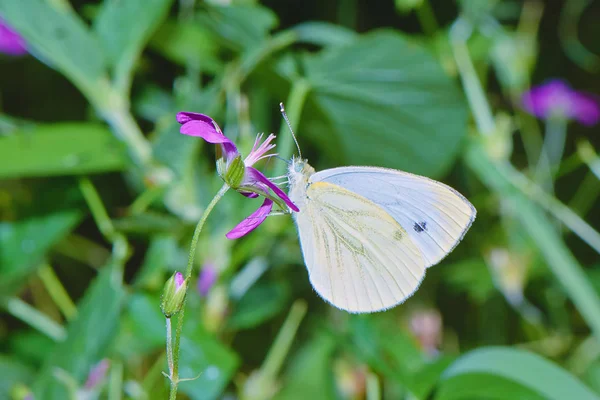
(420, 226)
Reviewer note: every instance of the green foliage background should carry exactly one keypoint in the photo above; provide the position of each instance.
(99, 196)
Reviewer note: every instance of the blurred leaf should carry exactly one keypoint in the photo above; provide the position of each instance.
(59, 38)
(187, 43)
(148, 223)
(124, 27)
(144, 325)
(61, 149)
(203, 354)
(238, 26)
(389, 95)
(324, 34)
(36, 229)
(310, 374)
(31, 346)
(503, 373)
(386, 348)
(12, 373)
(559, 258)
(425, 379)
(160, 254)
(88, 336)
(261, 303)
(472, 277)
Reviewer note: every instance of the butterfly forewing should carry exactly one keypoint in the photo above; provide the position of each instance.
(435, 216)
(359, 258)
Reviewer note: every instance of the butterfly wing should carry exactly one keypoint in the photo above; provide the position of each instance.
(358, 257)
(435, 216)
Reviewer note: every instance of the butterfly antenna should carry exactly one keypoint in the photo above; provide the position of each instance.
(282, 109)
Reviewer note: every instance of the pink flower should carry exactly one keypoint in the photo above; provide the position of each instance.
(237, 173)
(11, 42)
(556, 99)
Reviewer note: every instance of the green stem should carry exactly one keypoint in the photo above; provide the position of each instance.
(427, 18)
(57, 292)
(265, 380)
(373, 389)
(115, 386)
(125, 127)
(120, 249)
(31, 316)
(473, 89)
(293, 109)
(174, 373)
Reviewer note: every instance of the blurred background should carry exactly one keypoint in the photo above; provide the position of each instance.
(100, 194)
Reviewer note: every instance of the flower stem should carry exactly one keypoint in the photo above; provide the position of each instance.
(57, 291)
(173, 347)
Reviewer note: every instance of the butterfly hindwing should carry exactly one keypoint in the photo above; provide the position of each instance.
(359, 258)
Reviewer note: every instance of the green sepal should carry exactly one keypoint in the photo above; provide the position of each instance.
(172, 297)
(234, 175)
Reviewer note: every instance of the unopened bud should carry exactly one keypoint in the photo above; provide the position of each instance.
(173, 295)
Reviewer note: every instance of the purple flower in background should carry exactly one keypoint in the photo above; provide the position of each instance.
(556, 99)
(237, 173)
(11, 42)
(207, 278)
(97, 374)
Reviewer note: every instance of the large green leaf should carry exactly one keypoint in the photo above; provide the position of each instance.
(238, 26)
(58, 38)
(506, 373)
(88, 336)
(123, 28)
(187, 43)
(389, 103)
(61, 149)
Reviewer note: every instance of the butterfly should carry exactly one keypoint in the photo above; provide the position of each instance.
(368, 234)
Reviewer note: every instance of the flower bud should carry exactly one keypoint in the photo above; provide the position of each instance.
(173, 295)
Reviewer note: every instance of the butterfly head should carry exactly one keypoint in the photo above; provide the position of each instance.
(299, 172)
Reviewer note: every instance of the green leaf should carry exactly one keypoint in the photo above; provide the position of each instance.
(187, 43)
(385, 348)
(12, 373)
(88, 336)
(59, 39)
(202, 354)
(36, 228)
(389, 103)
(324, 33)
(261, 303)
(503, 373)
(61, 149)
(124, 27)
(238, 26)
(310, 374)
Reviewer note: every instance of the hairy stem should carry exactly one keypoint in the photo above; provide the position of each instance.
(173, 347)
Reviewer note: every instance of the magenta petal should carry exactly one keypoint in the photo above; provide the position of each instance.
(186, 116)
(11, 42)
(256, 175)
(585, 109)
(250, 195)
(252, 221)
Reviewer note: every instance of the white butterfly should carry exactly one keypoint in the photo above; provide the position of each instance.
(368, 234)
